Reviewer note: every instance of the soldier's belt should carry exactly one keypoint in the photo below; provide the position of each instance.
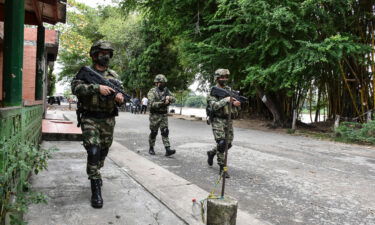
(221, 117)
(158, 112)
(99, 115)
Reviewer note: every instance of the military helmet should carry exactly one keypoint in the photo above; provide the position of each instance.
(99, 46)
(160, 78)
(221, 72)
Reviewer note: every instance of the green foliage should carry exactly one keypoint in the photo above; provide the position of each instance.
(274, 47)
(141, 50)
(181, 97)
(77, 36)
(51, 82)
(16, 165)
(356, 132)
(67, 93)
(280, 49)
(196, 101)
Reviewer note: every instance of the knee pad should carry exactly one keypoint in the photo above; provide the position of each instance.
(221, 145)
(154, 133)
(165, 132)
(93, 155)
(104, 153)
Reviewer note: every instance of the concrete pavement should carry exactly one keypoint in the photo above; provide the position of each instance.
(56, 128)
(68, 192)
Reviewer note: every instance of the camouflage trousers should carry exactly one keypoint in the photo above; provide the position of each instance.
(219, 125)
(97, 132)
(159, 121)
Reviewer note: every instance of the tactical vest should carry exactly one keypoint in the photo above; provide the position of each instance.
(98, 102)
(224, 111)
(158, 97)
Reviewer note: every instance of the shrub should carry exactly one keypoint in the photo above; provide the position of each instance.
(196, 101)
(356, 132)
(16, 164)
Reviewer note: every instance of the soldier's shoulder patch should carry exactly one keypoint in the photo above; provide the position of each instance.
(113, 73)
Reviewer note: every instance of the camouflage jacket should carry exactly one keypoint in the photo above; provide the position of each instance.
(220, 106)
(156, 100)
(89, 96)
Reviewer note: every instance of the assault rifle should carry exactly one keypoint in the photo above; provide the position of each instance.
(90, 76)
(222, 93)
(165, 94)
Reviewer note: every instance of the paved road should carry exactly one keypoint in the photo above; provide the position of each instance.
(281, 179)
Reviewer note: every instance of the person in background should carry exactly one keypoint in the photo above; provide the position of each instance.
(144, 104)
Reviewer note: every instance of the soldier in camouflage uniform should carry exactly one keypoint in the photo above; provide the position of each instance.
(99, 106)
(159, 99)
(220, 123)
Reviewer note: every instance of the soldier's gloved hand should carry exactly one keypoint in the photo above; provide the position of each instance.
(119, 98)
(105, 90)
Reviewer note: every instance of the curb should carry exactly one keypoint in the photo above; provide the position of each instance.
(61, 137)
(173, 191)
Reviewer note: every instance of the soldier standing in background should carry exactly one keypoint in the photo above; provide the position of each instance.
(220, 123)
(98, 104)
(159, 99)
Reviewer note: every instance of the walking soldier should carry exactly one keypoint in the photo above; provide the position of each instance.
(96, 112)
(159, 99)
(219, 119)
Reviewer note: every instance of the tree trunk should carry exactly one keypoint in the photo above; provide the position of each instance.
(317, 112)
(278, 118)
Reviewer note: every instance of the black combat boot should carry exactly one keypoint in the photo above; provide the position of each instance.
(151, 151)
(169, 151)
(226, 174)
(100, 182)
(96, 197)
(210, 159)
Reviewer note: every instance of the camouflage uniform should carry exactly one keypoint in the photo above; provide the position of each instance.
(158, 114)
(98, 114)
(220, 124)
(98, 119)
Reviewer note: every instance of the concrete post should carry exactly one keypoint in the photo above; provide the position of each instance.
(222, 211)
(337, 122)
(369, 116)
(40, 63)
(14, 17)
(294, 119)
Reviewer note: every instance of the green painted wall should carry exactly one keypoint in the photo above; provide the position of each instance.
(19, 124)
